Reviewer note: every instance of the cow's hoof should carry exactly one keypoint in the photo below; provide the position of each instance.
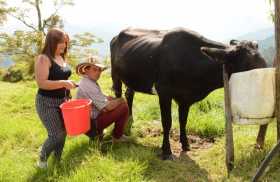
(170, 157)
(259, 146)
(185, 149)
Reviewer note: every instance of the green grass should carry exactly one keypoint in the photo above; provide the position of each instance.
(22, 134)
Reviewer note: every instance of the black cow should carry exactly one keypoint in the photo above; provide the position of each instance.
(181, 65)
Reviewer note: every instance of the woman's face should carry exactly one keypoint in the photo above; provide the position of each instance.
(61, 46)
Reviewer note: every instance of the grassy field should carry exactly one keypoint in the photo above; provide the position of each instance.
(22, 134)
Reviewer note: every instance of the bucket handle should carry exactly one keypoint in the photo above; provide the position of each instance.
(68, 98)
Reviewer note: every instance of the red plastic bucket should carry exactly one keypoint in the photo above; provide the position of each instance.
(76, 116)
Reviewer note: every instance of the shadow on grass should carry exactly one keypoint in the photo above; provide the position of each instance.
(246, 166)
(71, 160)
(183, 168)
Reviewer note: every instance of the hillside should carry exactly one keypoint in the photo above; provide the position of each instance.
(106, 33)
(266, 41)
(267, 48)
(258, 35)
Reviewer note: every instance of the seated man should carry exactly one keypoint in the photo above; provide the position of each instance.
(106, 110)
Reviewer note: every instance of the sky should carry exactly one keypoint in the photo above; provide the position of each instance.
(215, 19)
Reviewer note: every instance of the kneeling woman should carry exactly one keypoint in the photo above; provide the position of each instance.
(106, 109)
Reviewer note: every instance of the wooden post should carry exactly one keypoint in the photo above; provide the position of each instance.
(276, 148)
(277, 76)
(228, 125)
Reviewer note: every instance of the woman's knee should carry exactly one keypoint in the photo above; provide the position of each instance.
(58, 138)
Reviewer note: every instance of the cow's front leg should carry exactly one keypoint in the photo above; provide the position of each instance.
(129, 95)
(166, 120)
(117, 83)
(183, 116)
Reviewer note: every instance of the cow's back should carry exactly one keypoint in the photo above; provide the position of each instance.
(134, 57)
(180, 51)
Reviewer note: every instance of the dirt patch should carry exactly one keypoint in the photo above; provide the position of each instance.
(196, 142)
(150, 132)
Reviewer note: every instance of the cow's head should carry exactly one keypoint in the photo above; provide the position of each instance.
(239, 56)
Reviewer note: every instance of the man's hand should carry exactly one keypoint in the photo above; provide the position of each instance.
(113, 104)
(110, 98)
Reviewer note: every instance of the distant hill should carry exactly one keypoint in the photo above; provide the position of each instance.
(258, 35)
(267, 48)
(6, 63)
(106, 33)
(266, 41)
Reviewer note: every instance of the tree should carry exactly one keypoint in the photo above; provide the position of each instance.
(22, 46)
(271, 11)
(3, 11)
(3, 17)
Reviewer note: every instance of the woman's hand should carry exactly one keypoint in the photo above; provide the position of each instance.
(69, 84)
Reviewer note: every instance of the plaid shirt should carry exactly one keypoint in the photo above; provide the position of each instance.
(89, 89)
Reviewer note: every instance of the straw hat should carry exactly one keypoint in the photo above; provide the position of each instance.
(91, 61)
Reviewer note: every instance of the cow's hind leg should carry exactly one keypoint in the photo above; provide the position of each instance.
(166, 120)
(261, 136)
(183, 116)
(129, 94)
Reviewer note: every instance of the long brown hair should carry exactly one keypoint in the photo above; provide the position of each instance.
(54, 37)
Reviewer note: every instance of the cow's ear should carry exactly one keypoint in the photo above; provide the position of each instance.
(254, 45)
(234, 42)
(215, 54)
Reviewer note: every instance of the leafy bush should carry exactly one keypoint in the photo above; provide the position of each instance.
(2, 71)
(204, 105)
(13, 74)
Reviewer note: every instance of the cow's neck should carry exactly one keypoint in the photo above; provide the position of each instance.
(214, 77)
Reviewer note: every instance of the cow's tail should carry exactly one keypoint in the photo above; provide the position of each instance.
(117, 83)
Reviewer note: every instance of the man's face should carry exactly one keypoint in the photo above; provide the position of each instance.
(93, 72)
